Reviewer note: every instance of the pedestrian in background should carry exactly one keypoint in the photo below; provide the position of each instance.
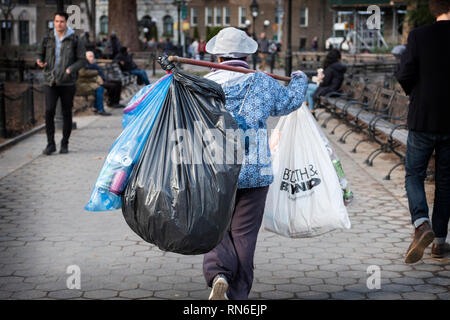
(113, 45)
(263, 50)
(194, 50)
(160, 47)
(61, 55)
(144, 44)
(315, 44)
(273, 51)
(88, 44)
(201, 49)
(169, 48)
(424, 76)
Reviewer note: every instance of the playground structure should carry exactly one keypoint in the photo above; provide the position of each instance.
(351, 32)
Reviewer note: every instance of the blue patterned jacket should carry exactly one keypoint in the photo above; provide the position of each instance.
(252, 99)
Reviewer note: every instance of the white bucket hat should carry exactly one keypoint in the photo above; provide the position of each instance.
(231, 43)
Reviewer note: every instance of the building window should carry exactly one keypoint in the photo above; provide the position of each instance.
(24, 32)
(218, 14)
(302, 46)
(242, 16)
(6, 27)
(208, 16)
(24, 28)
(194, 16)
(168, 26)
(226, 16)
(303, 17)
(104, 25)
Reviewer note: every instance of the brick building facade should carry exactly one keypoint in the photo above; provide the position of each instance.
(30, 20)
(309, 18)
(161, 13)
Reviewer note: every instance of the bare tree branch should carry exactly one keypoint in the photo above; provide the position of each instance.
(7, 7)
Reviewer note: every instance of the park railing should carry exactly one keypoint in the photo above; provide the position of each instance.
(18, 111)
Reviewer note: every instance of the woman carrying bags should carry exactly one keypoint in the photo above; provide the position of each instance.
(251, 99)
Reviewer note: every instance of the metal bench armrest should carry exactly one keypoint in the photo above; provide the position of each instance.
(396, 127)
(334, 93)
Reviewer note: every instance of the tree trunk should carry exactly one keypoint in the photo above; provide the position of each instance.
(122, 18)
(407, 24)
(90, 12)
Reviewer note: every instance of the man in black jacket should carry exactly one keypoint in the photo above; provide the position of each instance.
(61, 55)
(424, 74)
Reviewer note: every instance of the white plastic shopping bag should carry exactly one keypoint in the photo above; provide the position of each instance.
(306, 198)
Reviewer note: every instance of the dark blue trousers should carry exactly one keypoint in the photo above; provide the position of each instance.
(419, 151)
(233, 257)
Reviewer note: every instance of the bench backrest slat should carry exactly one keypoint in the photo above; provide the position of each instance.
(399, 107)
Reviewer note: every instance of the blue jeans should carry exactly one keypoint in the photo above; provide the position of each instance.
(420, 147)
(312, 87)
(141, 74)
(99, 99)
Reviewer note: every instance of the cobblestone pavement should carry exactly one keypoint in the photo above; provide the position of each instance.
(44, 229)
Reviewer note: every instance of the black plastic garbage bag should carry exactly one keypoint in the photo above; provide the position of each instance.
(182, 191)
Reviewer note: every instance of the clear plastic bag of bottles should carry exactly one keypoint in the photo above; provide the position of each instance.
(141, 100)
(127, 148)
(348, 194)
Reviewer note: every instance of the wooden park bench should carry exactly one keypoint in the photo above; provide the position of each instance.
(390, 131)
(381, 118)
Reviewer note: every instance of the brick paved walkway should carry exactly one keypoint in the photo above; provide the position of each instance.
(44, 229)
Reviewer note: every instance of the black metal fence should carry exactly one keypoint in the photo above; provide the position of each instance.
(11, 66)
(20, 111)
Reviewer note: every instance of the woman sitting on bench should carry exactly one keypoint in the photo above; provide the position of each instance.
(330, 81)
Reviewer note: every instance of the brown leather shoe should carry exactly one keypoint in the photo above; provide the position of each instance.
(423, 236)
(440, 250)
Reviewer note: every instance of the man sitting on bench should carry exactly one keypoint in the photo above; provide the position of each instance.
(114, 88)
(127, 64)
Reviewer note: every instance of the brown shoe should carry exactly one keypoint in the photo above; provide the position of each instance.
(423, 236)
(440, 250)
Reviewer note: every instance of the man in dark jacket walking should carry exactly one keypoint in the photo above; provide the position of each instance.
(263, 50)
(424, 75)
(61, 55)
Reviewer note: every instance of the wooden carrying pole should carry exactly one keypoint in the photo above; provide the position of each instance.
(222, 66)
